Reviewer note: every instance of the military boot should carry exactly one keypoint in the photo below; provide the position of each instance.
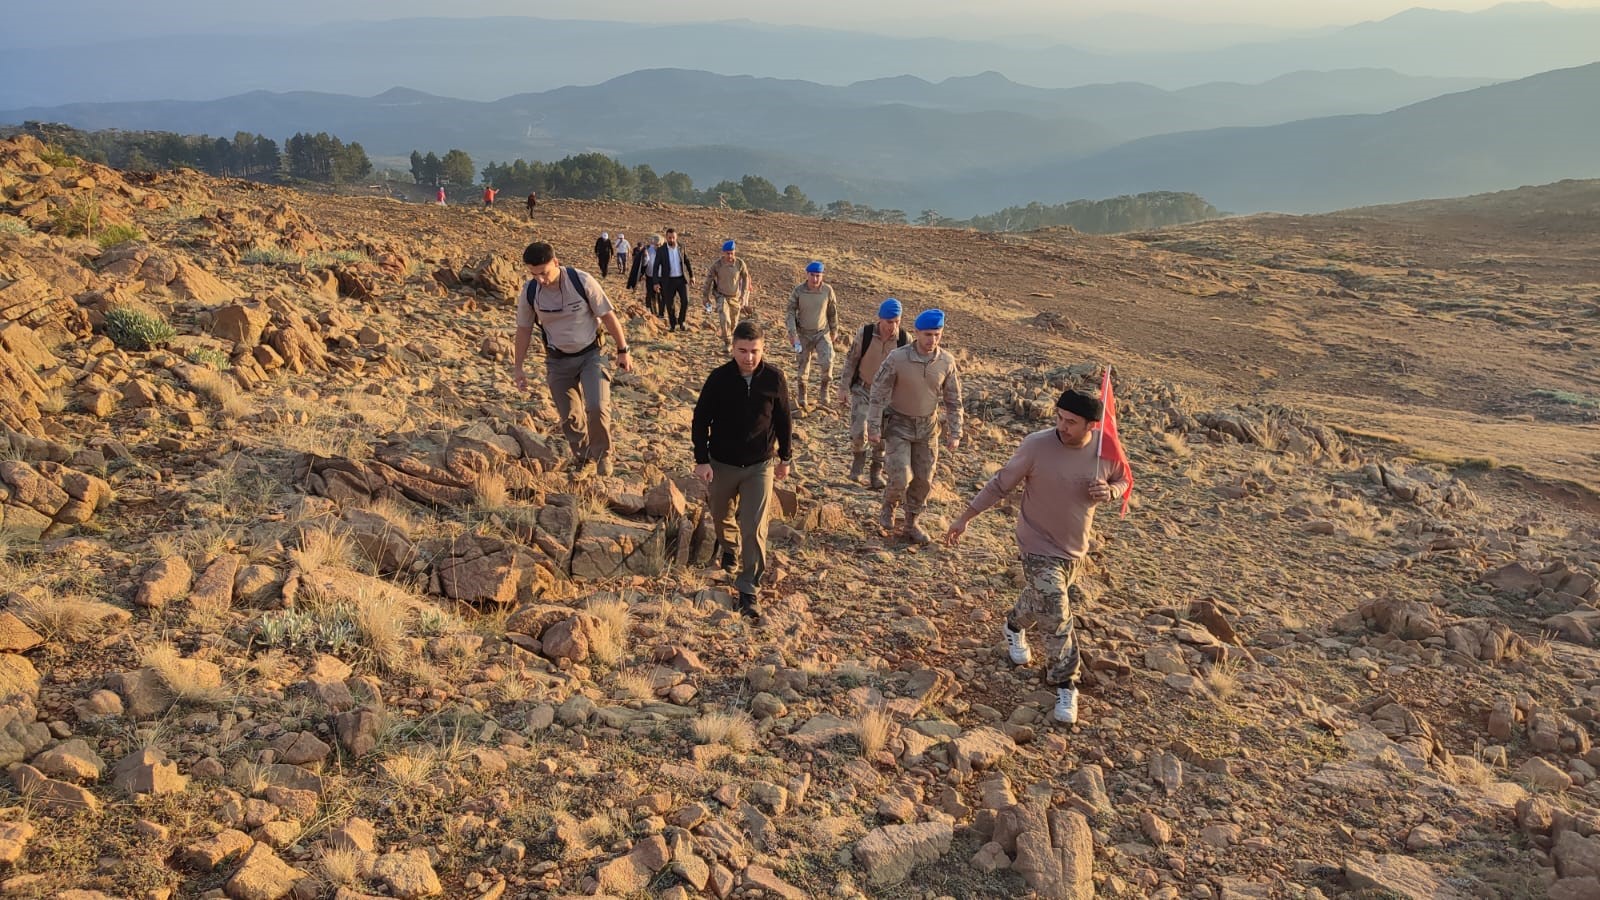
(913, 532)
(875, 474)
(858, 461)
(886, 515)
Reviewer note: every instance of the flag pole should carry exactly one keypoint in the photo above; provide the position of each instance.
(1100, 433)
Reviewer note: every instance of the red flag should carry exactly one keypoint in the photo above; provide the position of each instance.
(1110, 443)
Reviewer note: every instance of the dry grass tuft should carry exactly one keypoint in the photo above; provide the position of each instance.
(65, 618)
(1174, 445)
(736, 729)
(178, 675)
(380, 619)
(489, 492)
(341, 866)
(319, 548)
(221, 390)
(410, 769)
(634, 684)
(1223, 679)
(871, 730)
(611, 642)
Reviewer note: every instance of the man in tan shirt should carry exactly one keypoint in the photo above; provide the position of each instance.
(812, 316)
(1063, 479)
(911, 385)
(861, 364)
(570, 308)
(729, 279)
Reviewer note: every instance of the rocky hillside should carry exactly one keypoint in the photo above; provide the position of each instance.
(301, 599)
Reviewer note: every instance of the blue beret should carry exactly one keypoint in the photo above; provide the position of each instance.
(814, 266)
(889, 309)
(727, 245)
(929, 319)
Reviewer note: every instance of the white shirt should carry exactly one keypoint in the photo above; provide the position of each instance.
(674, 263)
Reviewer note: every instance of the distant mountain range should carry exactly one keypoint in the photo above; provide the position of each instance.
(1531, 131)
(876, 142)
(490, 57)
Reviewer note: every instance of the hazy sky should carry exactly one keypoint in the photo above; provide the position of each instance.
(64, 19)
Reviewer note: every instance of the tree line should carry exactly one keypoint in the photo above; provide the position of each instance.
(310, 157)
(325, 158)
(1130, 212)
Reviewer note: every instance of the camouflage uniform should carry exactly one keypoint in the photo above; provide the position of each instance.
(1048, 586)
(910, 455)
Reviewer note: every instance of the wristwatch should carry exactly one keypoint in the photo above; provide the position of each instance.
(621, 350)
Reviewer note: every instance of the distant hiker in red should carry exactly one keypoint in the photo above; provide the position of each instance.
(533, 200)
(440, 196)
(603, 251)
(1063, 476)
(488, 196)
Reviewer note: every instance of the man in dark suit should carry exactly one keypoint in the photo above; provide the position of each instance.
(673, 272)
(602, 252)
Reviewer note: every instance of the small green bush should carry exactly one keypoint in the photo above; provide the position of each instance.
(113, 235)
(133, 329)
(78, 219)
(59, 158)
(270, 256)
(14, 225)
(208, 356)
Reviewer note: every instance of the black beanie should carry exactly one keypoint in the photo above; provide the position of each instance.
(1081, 404)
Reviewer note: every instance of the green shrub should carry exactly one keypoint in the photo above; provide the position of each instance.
(134, 329)
(208, 356)
(59, 158)
(117, 234)
(14, 225)
(78, 219)
(269, 256)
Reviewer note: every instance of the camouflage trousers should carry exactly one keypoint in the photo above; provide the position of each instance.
(1045, 606)
(820, 348)
(910, 454)
(860, 399)
(729, 312)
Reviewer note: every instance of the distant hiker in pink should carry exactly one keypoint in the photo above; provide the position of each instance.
(488, 197)
(440, 196)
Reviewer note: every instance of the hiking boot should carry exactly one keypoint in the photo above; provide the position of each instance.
(749, 607)
(913, 532)
(886, 515)
(858, 461)
(1066, 711)
(1017, 646)
(728, 560)
(602, 466)
(875, 475)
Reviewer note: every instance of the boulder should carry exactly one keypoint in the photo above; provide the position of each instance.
(888, 854)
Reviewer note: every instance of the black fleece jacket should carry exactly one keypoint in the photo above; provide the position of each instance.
(737, 424)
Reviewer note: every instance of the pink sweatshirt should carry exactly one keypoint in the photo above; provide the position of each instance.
(1056, 512)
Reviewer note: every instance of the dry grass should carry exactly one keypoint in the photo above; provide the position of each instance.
(381, 621)
(611, 641)
(735, 729)
(67, 617)
(1174, 445)
(512, 688)
(1222, 679)
(178, 675)
(489, 492)
(343, 867)
(319, 548)
(634, 684)
(409, 770)
(871, 730)
(221, 390)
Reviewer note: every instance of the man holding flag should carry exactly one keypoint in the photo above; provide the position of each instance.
(1065, 472)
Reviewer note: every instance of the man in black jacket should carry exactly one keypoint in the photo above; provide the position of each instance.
(673, 273)
(742, 413)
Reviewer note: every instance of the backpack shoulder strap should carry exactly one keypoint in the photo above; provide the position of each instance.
(866, 335)
(903, 339)
(577, 283)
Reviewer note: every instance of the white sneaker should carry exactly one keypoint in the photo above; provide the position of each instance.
(1017, 642)
(1066, 711)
